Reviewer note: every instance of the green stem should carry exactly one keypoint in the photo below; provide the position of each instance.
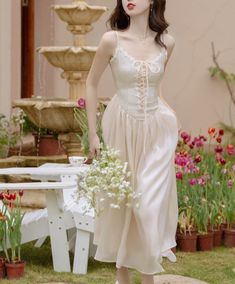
(19, 253)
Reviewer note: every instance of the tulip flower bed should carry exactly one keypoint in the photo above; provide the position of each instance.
(205, 172)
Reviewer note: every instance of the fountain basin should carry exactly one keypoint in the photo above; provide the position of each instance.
(69, 58)
(53, 113)
(79, 13)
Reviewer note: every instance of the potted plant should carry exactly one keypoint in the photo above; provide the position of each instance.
(227, 202)
(205, 176)
(10, 132)
(215, 219)
(11, 233)
(186, 233)
(46, 140)
(204, 235)
(229, 210)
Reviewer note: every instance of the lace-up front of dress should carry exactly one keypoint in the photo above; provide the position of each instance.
(137, 82)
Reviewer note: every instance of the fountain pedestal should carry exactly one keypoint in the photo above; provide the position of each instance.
(71, 143)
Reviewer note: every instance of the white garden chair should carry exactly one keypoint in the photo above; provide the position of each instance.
(61, 215)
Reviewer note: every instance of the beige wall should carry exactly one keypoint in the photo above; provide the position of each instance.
(198, 100)
(9, 53)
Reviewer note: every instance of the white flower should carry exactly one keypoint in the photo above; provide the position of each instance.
(106, 180)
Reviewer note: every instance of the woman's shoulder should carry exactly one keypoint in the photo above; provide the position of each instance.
(108, 42)
(168, 39)
(109, 37)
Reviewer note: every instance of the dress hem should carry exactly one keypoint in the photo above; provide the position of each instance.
(129, 266)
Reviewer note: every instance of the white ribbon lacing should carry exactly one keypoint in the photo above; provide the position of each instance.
(143, 87)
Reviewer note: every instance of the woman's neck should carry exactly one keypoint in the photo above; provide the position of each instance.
(139, 26)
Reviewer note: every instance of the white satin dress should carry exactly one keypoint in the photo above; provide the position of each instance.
(144, 129)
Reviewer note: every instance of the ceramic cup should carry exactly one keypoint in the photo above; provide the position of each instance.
(76, 160)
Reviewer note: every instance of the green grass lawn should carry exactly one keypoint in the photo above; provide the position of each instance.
(215, 267)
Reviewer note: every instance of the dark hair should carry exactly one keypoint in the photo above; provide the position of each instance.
(119, 20)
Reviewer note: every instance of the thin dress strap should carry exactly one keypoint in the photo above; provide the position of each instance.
(117, 38)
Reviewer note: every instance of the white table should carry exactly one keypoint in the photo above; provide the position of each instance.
(59, 220)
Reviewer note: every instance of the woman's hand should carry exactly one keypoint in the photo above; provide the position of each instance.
(94, 143)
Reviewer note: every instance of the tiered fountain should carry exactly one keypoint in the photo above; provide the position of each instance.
(75, 61)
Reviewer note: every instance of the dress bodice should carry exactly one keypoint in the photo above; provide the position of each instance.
(137, 81)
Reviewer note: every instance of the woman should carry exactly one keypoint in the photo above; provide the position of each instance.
(139, 123)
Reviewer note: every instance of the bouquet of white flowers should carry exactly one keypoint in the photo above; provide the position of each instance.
(105, 183)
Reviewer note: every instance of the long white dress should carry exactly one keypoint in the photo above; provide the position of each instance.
(144, 129)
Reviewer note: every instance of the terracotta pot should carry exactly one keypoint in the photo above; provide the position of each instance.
(15, 270)
(2, 268)
(217, 238)
(205, 241)
(48, 145)
(229, 237)
(188, 242)
(223, 226)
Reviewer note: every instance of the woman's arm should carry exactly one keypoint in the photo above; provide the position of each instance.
(178, 121)
(170, 43)
(99, 64)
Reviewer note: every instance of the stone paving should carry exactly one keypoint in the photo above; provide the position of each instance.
(176, 279)
(162, 279)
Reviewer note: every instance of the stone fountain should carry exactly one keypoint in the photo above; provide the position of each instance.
(75, 62)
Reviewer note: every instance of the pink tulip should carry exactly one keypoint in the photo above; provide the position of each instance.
(230, 183)
(219, 149)
(201, 180)
(198, 158)
(222, 161)
(230, 149)
(191, 146)
(81, 103)
(219, 139)
(186, 137)
(179, 175)
(202, 137)
(192, 181)
(198, 142)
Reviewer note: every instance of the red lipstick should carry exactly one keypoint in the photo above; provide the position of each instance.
(130, 6)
